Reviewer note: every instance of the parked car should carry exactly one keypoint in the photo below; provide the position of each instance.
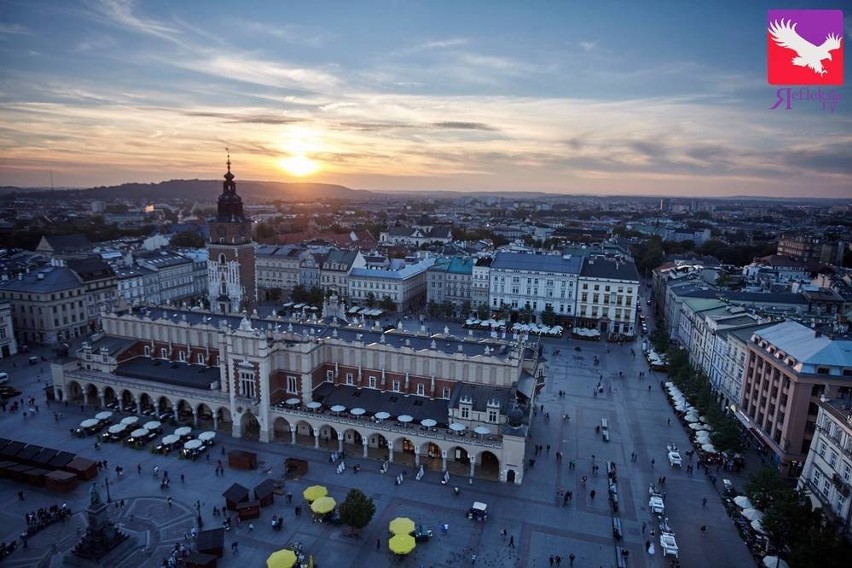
(478, 511)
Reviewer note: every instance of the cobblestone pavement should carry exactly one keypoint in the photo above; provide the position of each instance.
(532, 514)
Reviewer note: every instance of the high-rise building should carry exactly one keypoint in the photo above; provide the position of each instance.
(231, 267)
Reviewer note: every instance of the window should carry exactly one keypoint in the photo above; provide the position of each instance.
(164, 354)
(492, 415)
(395, 386)
(817, 477)
(826, 486)
(372, 382)
(147, 351)
(465, 412)
(821, 449)
(292, 385)
(182, 356)
(832, 459)
(445, 392)
(421, 390)
(247, 384)
(329, 376)
(199, 359)
(349, 380)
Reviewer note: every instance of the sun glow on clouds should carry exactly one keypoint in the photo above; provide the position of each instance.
(299, 143)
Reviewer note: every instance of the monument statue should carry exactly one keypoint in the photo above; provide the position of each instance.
(94, 496)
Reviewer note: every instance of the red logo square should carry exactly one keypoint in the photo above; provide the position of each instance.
(805, 47)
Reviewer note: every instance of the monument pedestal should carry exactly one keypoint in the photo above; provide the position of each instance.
(102, 544)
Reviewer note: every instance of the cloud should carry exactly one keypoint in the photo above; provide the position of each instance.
(588, 45)
(263, 72)
(248, 118)
(121, 12)
(290, 33)
(14, 29)
(441, 44)
(458, 125)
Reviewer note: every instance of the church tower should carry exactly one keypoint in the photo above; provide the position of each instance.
(231, 265)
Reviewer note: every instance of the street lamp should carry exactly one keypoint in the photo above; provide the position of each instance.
(106, 484)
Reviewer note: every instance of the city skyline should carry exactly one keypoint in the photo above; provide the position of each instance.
(619, 99)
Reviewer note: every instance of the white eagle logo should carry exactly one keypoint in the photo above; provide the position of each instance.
(808, 54)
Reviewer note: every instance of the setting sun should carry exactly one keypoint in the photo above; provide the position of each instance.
(298, 166)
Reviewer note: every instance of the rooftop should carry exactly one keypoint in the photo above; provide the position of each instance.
(536, 262)
(806, 346)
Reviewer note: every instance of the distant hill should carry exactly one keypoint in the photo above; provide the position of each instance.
(208, 190)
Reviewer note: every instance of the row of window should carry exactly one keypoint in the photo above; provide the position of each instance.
(372, 382)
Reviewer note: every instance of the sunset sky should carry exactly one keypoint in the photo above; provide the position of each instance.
(607, 97)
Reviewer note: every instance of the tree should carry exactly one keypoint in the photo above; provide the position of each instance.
(465, 309)
(483, 311)
(187, 239)
(357, 510)
(387, 304)
(433, 308)
(447, 309)
(299, 294)
(264, 233)
(548, 316)
(527, 314)
(370, 301)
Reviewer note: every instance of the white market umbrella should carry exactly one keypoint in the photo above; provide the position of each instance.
(709, 448)
(357, 411)
(193, 445)
(207, 436)
(774, 562)
(130, 420)
(428, 422)
(105, 415)
(693, 420)
(139, 433)
(338, 408)
(457, 427)
(313, 405)
(152, 425)
(170, 439)
(405, 418)
(382, 415)
(183, 431)
(482, 430)
(758, 526)
(117, 428)
(698, 426)
(752, 514)
(90, 423)
(743, 502)
(292, 401)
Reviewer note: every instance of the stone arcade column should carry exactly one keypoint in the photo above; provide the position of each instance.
(215, 421)
(340, 441)
(365, 441)
(177, 414)
(390, 452)
(417, 456)
(292, 434)
(443, 460)
(316, 438)
(138, 403)
(102, 399)
(195, 417)
(472, 467)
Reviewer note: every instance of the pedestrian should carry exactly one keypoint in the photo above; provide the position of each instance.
(169, 501)
(251, 527)
(592, 494)
(139, 468)
(703, 529)
(571, 558)
(669, 421)
(512, 541)
(552, 560)
(181, 478)
(472, 559)
(20, 495)
(503, 533)
(644, 526)
(704, 502)
(653, 461)
(558, 560)
(378, 543)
